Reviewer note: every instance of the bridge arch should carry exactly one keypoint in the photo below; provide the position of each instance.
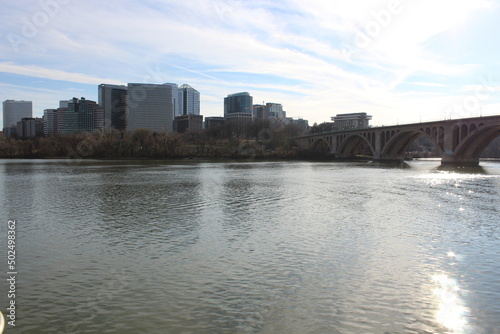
(396, 146)
(475, 142)
(464, 132)
(352, 145)
(321, 145)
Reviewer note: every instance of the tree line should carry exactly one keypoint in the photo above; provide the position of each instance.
(254, 140)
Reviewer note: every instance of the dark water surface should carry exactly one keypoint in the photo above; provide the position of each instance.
(254, 247)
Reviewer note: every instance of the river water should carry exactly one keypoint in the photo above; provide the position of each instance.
(252, 247)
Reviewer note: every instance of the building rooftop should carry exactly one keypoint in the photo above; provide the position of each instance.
(358, 115)
(238, 94)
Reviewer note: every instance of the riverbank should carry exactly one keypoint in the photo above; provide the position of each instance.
(147, 145)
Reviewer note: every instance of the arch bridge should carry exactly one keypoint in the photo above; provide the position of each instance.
(459, 141)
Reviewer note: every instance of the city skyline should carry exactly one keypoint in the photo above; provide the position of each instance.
(399, 61)
(151, 106)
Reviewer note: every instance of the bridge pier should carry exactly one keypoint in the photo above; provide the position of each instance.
(389, 160)
(451, 160)
(379, 158)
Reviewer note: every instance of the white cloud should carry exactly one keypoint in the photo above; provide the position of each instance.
(483, 88)
(46, 73)
(427, 84)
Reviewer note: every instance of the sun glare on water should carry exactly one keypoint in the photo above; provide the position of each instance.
(451, 311)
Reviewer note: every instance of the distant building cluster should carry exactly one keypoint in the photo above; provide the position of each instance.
(123, 108)
(157, 107)
(240, 111)
(18, 119)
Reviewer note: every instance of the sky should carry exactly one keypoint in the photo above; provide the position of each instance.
(401, 61)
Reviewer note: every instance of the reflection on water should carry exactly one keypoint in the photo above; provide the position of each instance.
(451, 311)
(462, 170)
(254, 247)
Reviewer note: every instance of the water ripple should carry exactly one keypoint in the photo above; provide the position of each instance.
(292, 247)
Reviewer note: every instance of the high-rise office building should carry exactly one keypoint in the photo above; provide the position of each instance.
(275, 110)
(151, 107)
(59, 119)
(50, 122)
(15, 111)
(113, 99)
(259, 111)
(189, 100)
(268, 111)
(176, 98)
(53, 119)
(238, 103)
(80, 116)
(64, 103)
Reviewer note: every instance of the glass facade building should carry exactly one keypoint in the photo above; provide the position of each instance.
(80, 116)
(176, 98)
(189, 100)
(113, 99)
(238, 103)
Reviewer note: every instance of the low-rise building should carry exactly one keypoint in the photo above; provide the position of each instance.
(29, 127)
(214, 121)
(351, 121)
(301, 124)
(189, 123)
(239, 122)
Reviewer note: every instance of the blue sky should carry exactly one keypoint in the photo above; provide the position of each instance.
(398, 60)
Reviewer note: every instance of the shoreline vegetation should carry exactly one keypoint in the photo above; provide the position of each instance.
(219, 143)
